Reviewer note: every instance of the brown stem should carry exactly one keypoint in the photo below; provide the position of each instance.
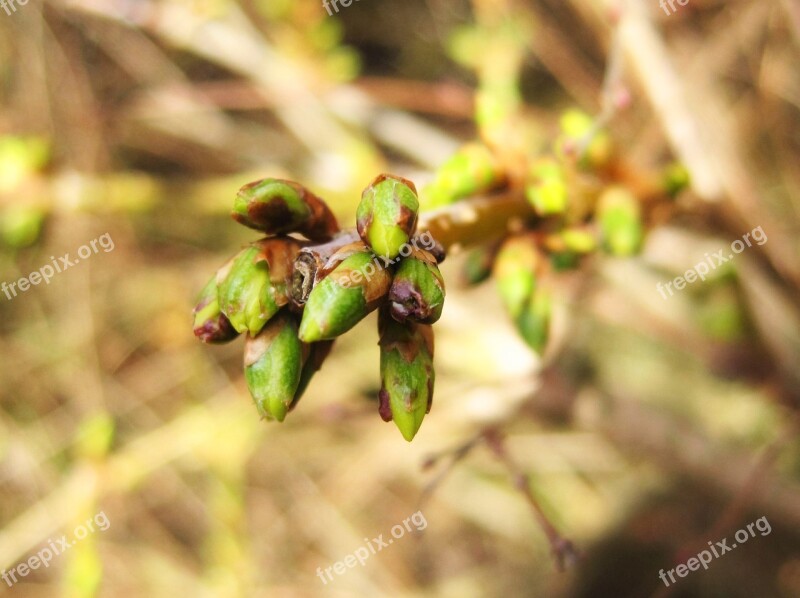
(476, 220)
(468, 222)
(563, 549)
(309, 265)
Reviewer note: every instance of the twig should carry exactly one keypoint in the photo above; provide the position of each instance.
(456, 455)
(474, 221)
(562, 548)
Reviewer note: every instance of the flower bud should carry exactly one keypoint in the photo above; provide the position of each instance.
(340, 300)
(277, 206)
(253, 287)
(515, 271)
(210, 324)
(675, 179)
(472, 170)
(273, 362)
(620, 221)
(387, 215)
(568, 245)
(547, 187)
(533, 322)
(417, 291)
(578, 132)
(518, 270)
(478, 265)
(407, 374)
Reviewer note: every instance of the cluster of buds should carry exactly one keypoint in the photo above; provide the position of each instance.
(307, 282)
(582, 199)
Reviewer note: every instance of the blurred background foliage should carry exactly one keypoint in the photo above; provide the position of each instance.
(650, 428)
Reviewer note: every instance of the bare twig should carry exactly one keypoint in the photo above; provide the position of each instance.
(563, 549)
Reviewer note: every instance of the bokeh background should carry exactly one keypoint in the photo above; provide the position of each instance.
(650, 427)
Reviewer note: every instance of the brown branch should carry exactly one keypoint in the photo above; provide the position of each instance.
(563, 549)
(476, 220)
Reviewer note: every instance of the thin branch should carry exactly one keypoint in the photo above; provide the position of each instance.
(563, 549)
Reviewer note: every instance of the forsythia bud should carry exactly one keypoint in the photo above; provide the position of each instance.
(620, 221)
(407, 374)
(252, 288)
(276, 206)
(273, 361)
(568, 245)
(473, 169)
(675, 179)
(515, 270)
(518, 270)
(547, 189)
(417, 291)
(387, 215)
(478, 265)
(210, 324)
(339, 301)
(575, 127)
(533, 323)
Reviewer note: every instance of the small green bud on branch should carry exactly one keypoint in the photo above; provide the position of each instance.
(387, 215)
(547, 189)
(343, 298)
(620, 220)
(210, 324)
(417, 291)
(276, 206)
(407, 374)
(473, 169)
(273, 363)
(253, 286)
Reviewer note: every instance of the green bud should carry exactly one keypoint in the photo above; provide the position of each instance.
(675, 179)
(417, 291)
(533, 322)
(210, 324)
(547, 189)
(253, 287)
(515, 271)
(273, 361)
(581, 240)
(478, 265)
(340, 300)
(387, 215)
(277, 206)
(562, 261)
(620, 221)
(568, 245)
(20, 225)
(472, 170)
(407, 374)
(576, 125)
